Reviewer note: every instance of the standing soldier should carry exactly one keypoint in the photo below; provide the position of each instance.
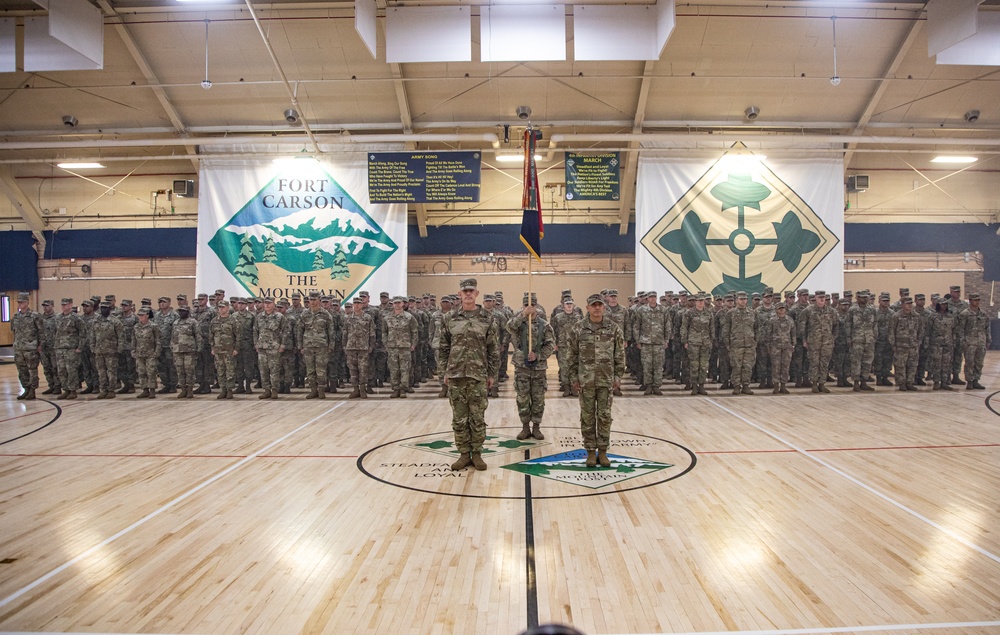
(70, 333)
(653, 330)
(185, 342)
(400, 334)
(29, 335)
(799, 369)
(906, 331)
(697, 336)
(270, 334)
(107, 341)
(817, 328)
(677, 352)
(779, 333)
(841, 350)
(224, 342)
(205, 366)
(596, 365)
(740, 334)
(315, 337)
(359, 344)
(725, 361)
(126, 362)
(298, 363)
(48, 354)
(446, 304)
(336, 361)
(974, 331)
(944, 330)
(955, 306)
(286, 360)
(530, 364)
(246, 361)
(146, 342)
(165, 319)
(920, 308)
(504, 314)
(378, 360)
(764, 313)
(88, 372)
(489, 305)
(861, 335)
(883, 349)
(469, 359)
(562, 326)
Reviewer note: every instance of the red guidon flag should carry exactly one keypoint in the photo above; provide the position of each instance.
(532, 230)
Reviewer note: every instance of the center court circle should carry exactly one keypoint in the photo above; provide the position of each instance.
(410, 462)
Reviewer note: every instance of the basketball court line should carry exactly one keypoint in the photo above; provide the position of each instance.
(54, 572)
(872, 490)
(182, 456)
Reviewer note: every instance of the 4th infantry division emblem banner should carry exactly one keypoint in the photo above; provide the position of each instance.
(739, 223)
(270, 229)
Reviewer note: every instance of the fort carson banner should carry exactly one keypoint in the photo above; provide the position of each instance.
(268, 228)
(739, 223)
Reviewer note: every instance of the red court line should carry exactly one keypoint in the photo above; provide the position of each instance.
(306, 456)
(177, 456)
(889, 447)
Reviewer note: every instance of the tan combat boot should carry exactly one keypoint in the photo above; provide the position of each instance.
(524, 433)
(395, 394)
(478, 462)
(443, 392)
(71, 395)
(222, 394)
(355, 394)
(746, 389)
(313, 394)
(591, 458)
(463, 462)
(274, 394)
(602, 458)
(536, 432)
(320, 393)
(265, 395)
(823, 388)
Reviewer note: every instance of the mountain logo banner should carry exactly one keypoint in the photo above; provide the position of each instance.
(303, 230)
(741, 227)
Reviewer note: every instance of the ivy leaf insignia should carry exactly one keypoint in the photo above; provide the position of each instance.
(689, 241)
(793, 241)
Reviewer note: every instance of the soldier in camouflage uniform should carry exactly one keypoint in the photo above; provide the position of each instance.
(165, 319)
(816, 328)
(923, 357)
(616, 313)
(944, 330)
(126, 363)
(779, 333)
(697, 336)
(400, 333)
(69, 335)
(906, 331)
(652, 335)
(298, 364)
(596, 366)
(799, 369)
(270, 338)
(336, 359)
(88, 371)
(316, 338)
(224, 342)
(861, 334)
(841, 347)
(739, 330)
(185, 342)
(955, 306)
(29, 336)
(205, 366)
(378, 359)
(359, 342)
(146, 342)
(562, 325)
(764, 313)
(286, 360)
(468, 361)
(974, 330)
(725, 361)
(48, 354)
(882, 365)
(530, 365)
(489, 305)
(677, 352)
(446, 306)
(107, 341)
(246, 361)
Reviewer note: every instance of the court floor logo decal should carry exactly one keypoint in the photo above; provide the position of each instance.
(570, 467)
(495, 445)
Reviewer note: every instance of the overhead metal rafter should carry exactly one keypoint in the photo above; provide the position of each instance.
(631, 160)
(28, 211)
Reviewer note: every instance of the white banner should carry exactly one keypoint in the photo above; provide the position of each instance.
(300, 225)
(739, 223)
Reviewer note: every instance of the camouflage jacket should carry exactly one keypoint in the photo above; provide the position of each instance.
(166, 323)
(955, 307)
(817, 325)
(860, 324)
(944, 329)
(925, 317)
(974, 328)
(315, 329)
(146, 339)
(697, 327)
(779, 332)
(107, 336)
(616, 313)
(87, 321)
(50, 329)
(739, 328)
(185, 336)
(882, 324)
(29, 330)
(596, 355)
(376, 324)
(270, 332)
(70, 331)
(764, 314)
(247, 336)
(795, 312)
(359, 332)
(224, 335)
(563, 323)
(470, 344)
(204, 318)
(438, 319)
(840, 339)
(128, 323)
(906, 330)
(653, 326)
(719, 327)
(400, 331)
(337, 324)
(543, 341)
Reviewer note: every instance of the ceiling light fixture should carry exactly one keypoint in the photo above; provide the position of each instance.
(515, 158)
(79, 166)
(69, 121)
(835, 80)
(972, 116)
(206, 83)
(751, 113)
(945, 158)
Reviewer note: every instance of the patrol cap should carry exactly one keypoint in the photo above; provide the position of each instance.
(240, 300)
(411, 298)
(756, 296)
(224, 303)
(314, 295)
(181, 296)
(384, 294)
(334, 300)
(613, 292)
(955, 288)
(567, 292)
(821, 294)
(716, 298)
(145, 311)
(780, 305)
(973, 296)
(789, 294)
(845, 301)
(904, 291)
(147, 302)
(398, 298)
(741, 294)
(595, 298)
(603, 292)
(534, 299)
(267, 300)
(285, 302)
(802, 292)
(906, 300)
(202, 295)
(498, 294)
(849, 294)
(23, 296)
(67, 301)
(488, 297)
(109, 297)
(87, 302)
(468, 283)
(682, 292)
(768, 290)
(221, 292)
(127, 302)
(431, 296)
(183, 309)
(920, 296)
(729, 297)
(446, 298)
(48, 303)
(883, 296)
(363, 294)
(297, 294)
(163, 299)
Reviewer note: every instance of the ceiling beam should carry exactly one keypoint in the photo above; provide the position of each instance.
(22, 203)
(631, 159)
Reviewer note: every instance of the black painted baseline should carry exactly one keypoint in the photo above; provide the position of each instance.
(989, 405)
(51, 421)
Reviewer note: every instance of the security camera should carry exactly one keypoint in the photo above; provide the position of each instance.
(751, 113)
(972, 116)
(70, 121)
(523, 112)
(291, 116)
(206, 84)
(835, 80)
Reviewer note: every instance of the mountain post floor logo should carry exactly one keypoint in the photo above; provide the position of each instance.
(570, 467)
(740, 228)
(302, 231)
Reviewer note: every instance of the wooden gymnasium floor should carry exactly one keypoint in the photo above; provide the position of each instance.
(793, 514)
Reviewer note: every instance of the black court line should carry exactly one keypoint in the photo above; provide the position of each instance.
(529, 540)
(989, 405)
(51, 421)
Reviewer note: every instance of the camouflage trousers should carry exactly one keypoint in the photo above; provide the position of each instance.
(335, 364)
(561, 358)
(316, 360)
(764, 374)
(799, 368)
(185, 366)
(246, 365)
(956, 357)
(742, 359)
(206, 367)
(27, 368)
(882, 364)
(166, 369)
(225, 370)
(725, 365)
(468, 401)
(287, 372)
(975, 355)
(504, 357)
(126, 368)
(698, 362)
(781, 359)
(862, 354)
(923, 358)
(68, 366)
(940, 364)
(819, 360)
(269, 364)
(841, 364)
(904, 361)
(595, 415)
(48, 360)
(146, 372)
(652, 365)
(357, 363)
(107, 371)
(678, 355)
(529, 387)
(399, 368)
(88, 372)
